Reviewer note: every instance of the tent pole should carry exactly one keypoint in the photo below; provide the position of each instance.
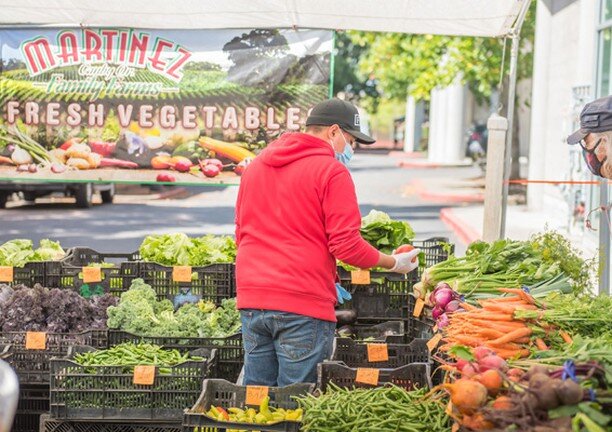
(509, 135)
(514, 53)
(604, 240)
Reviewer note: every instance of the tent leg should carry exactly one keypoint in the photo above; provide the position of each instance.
(509, 136)
(604, 240)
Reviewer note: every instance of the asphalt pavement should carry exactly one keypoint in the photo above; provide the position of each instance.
(120, 227)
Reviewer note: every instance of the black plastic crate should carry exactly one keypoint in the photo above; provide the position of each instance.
(108, 392)
(421, 327)
(82, 256)
(230, 352)
(408, 377)
(30, 274)
(33, 399)
(387, 296)
(386, 331)
(436, 249)
(32, 365)
(214, 282)
(48, 424)
(355, 354)
(115, 280)
(33, 402)
(225, 394)
(26, 422)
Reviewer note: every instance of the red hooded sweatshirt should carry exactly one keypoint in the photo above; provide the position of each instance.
(296, 214)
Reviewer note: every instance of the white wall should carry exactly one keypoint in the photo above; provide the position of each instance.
(564, 57)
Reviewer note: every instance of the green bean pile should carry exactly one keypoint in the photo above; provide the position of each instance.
(381, 409)
(130, 355)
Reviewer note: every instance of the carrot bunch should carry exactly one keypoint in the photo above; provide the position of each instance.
(493, 325)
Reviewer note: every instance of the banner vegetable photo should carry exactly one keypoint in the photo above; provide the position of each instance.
(133, 105)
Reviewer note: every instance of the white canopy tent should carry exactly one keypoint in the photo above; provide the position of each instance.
(492, 18)
(482, 18)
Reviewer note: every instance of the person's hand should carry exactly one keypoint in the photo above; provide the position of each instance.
(406, 262)
(342, 294)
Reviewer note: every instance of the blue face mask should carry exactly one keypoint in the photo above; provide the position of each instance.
(346, 156)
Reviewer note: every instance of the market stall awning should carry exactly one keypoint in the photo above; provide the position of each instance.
(448, 17)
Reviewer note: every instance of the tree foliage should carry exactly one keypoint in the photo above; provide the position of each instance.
(405, 64)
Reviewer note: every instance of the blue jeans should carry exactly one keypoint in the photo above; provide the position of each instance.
(282, 348)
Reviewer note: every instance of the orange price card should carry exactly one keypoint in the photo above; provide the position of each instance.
(255, 394)
(360, 277)
(367, 376)
(92, 274)
(181, 273)
(434, 341)
(378, 352)
(6, 274)
(36, 340)
(435, 328)
(144, 374)
(418, 307)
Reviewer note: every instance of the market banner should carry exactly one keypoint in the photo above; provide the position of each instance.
(132, 105)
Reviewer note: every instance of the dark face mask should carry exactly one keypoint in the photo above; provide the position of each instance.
(591, 160)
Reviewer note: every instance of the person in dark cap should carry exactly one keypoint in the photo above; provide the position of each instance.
(595, 136)
(296, 214)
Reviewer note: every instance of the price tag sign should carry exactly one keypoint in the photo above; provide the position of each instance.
(6, 274)
(144, 374)
(367, 376)
(418, 308)
(255, 394)
(360, 277)
(435, 328)
(434, 341)
(378, 352)
(92, 274)
(36, 340)
(181, 273)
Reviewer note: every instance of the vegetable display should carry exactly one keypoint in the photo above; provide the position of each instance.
(140, 312)
(19, 252)
(51, 310)
(265, 415)
(179, 249)
(377, 410)
(546, 263)
(130, 355)
(383, 233)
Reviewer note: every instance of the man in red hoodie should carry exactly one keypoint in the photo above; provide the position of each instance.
(296, 214)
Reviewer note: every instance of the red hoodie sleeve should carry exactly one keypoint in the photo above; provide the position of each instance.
(342, 223)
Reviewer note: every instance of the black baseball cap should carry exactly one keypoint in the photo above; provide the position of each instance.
(344, 114)
(595, 117)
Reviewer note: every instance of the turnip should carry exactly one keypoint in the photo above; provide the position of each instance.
(481, 352)
(216, 162)
(492, 362)
(211, 170)
(467, 395)
(569, 392)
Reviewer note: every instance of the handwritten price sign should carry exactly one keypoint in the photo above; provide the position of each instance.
(144, 375)
(36, 340)
(255, 394)
(360, 277)
(6, 274)
(181, 273)
(92, 274)
(378, 352)
(367, 376)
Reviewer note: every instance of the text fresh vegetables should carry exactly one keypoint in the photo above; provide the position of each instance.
(179, 249)
(140, 312)
(51, 310)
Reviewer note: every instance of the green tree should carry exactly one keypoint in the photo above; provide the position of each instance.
(348, 78)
